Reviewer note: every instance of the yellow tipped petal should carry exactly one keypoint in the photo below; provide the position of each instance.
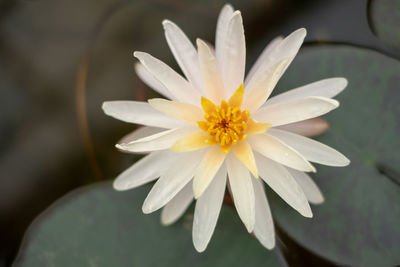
(182, 111)
(191, 142)
(207, 105)
(203, 125)
(237, 98)
(259, 91)
(245, 154)
(226, 148)
(224, 105)
(211, 141)
(245, 115)
(207, 169)
(255, 127)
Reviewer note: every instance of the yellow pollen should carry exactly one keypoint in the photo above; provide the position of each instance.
(226, 123)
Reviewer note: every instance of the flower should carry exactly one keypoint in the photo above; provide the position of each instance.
(220, 130)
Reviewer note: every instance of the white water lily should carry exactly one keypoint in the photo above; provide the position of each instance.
(219, 129)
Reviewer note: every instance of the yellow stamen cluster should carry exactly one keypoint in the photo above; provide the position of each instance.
(226, 124)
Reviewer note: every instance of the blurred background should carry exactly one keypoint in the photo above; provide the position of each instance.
(60, 59)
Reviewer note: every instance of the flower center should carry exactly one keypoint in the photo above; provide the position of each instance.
(226, 124)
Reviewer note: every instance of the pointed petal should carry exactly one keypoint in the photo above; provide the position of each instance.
(182, 111)
(271, 147)
(244, 153)
(145, 170)
(310, 127)
(140, 113)
(279, 179)
(213, 85)
(207, 169)
(265, 54)
(285, 49)
(234, 54)
(264, 226)
(295, 110)
(158, 141)
(308, 186)
(151, 81)
(207, 211)
(191, 142)
(237, 98)
(222, 30)
(242, 191)
(172, 181)
(211, 47)
(207, 105)
(255, 127)
(177, 206)
(184, 52)
(289, 46)
(324, 88)
(261, 87)
(140, 133)
(181, 89)
(312, 150)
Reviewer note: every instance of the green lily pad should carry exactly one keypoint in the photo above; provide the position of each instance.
(97, 226)
(385, 21)
(359, 223)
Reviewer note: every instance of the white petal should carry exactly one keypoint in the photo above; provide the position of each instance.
(175, 83)
(242, 191)
(210, 46)
(222, 30)
(151, 81)
(265, 54)
(310, 127)
(188, 113)
(213, 84)
(271, 147)
(234, 55)
(279, 179)
(244, 153)
(184, 53)
(286, 49)
(145, 170)
(172, 181)
(140, 133)
(324, 88)
(289, 46)
(308, 186)
(295, 110)
(312, 150)
(264, 226)
(207, 211)
(158, 141)
(140, 113)
(207, 169)
(260, 89)
(177, 206)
